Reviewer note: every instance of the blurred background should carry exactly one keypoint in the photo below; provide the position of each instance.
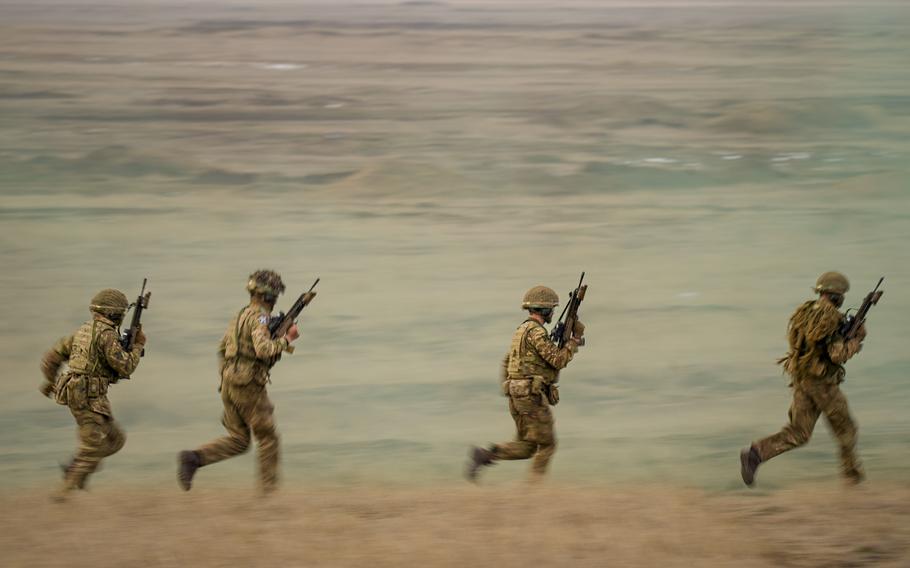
(704, 162)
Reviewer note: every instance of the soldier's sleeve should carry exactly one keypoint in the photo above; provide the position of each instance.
(120, 360)
(222, 349)
(52, 360)
(504, 374)
(558, 358)
(266, 347)
(842, 351)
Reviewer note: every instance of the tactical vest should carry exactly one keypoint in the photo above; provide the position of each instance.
(240, 344)
(85, 355)
(86, 382)
(524, 361)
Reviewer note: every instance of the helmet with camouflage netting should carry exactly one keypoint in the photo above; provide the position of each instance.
(832, 283)
(109, 302)
(265, 282)
(540, 297)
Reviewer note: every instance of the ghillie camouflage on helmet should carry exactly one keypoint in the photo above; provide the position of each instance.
(265, 282)
(110, 302)
(832, 283)
(540, 297)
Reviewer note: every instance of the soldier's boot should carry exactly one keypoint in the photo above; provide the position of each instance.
(477, 458)
(749, 461)
(854, 476)
(187, 463)
(71, 482)
(62, 493)
(66, 467)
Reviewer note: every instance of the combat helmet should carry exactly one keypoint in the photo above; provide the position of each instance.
(832, 283)
(540, 297)
(265, 282)
(110, 303)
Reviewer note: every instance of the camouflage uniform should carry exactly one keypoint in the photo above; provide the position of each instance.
(247, 353)
(95, 360)
(815, 365)
(530, 371)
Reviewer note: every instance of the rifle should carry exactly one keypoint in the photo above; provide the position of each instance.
(142, 303)
(280, 324)
(562, 331)
(853, 322)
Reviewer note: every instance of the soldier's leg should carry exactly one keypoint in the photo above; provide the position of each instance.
(99, 437)
(834, 407)
(803, 415)
(238, 439)
(541, 430)
(262, 422)
(520, 448)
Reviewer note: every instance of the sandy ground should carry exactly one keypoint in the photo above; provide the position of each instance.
(510, 525)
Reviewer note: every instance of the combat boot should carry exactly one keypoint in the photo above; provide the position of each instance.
(749, 460)
(187, 464)
(62, 493)
(477, 458)
(854, 476)
(66, 467)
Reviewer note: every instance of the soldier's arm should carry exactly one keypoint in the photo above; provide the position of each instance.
(52, 360)
(840, 351)
(222, 350)
(124, 362)
(266, 348)
(548, 350)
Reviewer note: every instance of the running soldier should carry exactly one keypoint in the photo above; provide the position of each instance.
(530, 371)
(818, 351)
(246, 354)
(95, 359)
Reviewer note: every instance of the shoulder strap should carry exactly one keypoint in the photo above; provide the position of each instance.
(93, 349)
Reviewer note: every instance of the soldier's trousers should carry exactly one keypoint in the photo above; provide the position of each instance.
(534, 437)
(810, 401)
(247, 409)
(99, 436)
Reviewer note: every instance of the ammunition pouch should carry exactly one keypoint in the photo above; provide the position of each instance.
(96, 387)
(526, 387)
(76, 391)
(60, 388)
(518, 388)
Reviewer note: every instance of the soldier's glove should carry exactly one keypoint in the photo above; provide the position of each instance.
(861, 333)
(48, 389)
(140, 337)
(578, 330)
